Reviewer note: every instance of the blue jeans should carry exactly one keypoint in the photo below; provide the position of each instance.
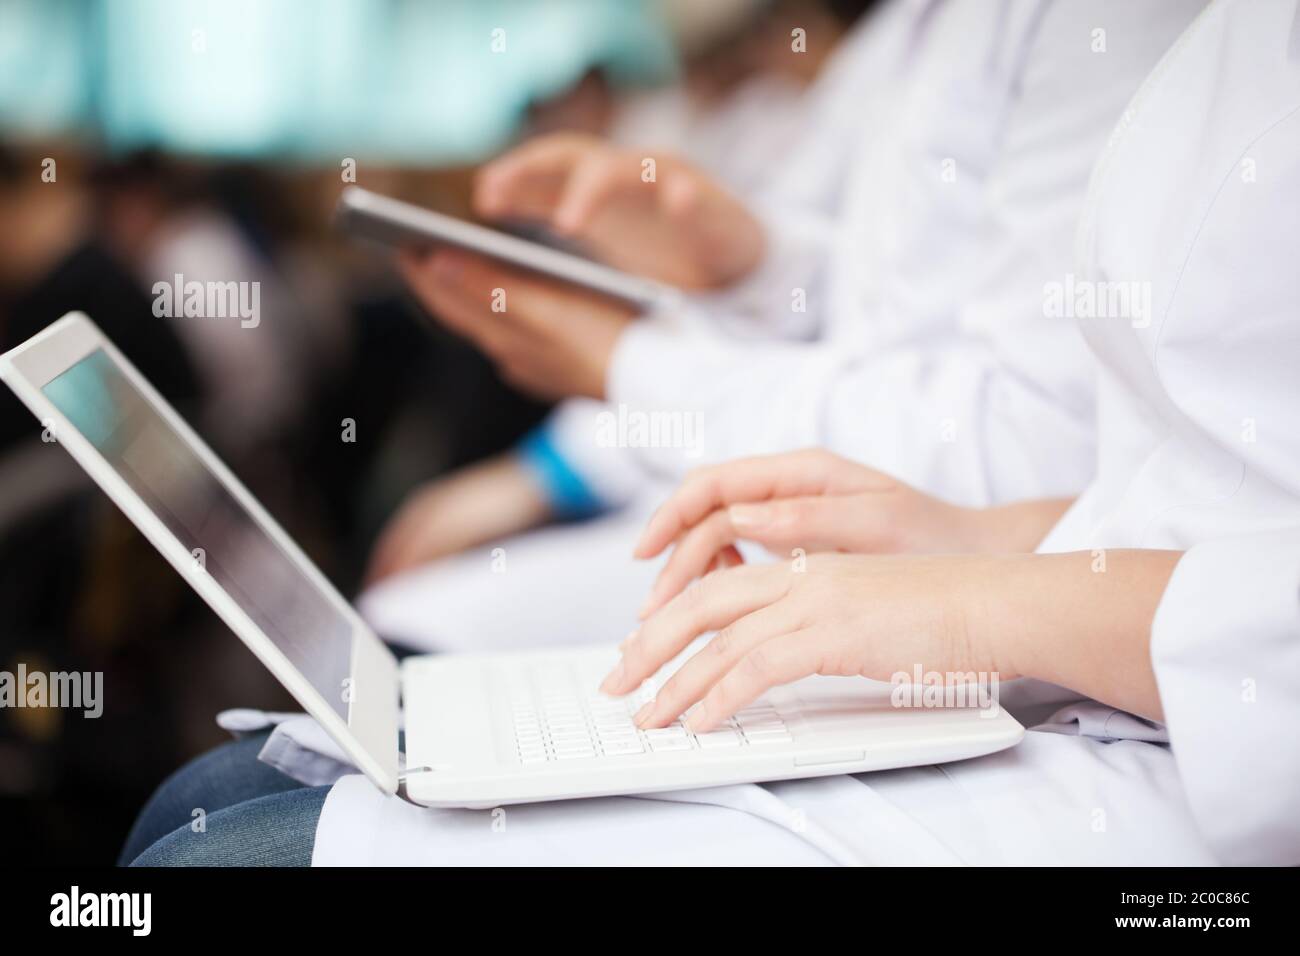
(252, 815)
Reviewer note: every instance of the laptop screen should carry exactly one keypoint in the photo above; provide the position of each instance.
(221, 535)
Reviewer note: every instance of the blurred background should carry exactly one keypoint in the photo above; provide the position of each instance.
(144, 138)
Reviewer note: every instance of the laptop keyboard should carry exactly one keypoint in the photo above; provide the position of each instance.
(558, 722)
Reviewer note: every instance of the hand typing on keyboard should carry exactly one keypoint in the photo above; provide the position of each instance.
(562, 723)
(851, 615)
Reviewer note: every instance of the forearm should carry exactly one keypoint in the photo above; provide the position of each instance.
(1081, 620)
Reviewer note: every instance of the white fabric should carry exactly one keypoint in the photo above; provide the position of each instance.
(806, 196)
(736, 138)
(566, 584)
(1226, 647)
(1053, 800)
(1197, 408)
(1169, 204)
(297, 746)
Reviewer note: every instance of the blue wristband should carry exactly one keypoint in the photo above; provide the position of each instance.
(568, 494)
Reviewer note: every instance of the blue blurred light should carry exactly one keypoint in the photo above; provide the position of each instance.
(376, 80)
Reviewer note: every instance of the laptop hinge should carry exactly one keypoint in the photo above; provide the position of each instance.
(403, 776)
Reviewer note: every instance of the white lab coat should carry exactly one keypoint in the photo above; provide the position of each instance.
(932, 357)
(1169, 203)
(1199, 439)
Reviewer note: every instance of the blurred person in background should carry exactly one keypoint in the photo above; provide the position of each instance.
(81, 592)
(73, 244)
(741, 107)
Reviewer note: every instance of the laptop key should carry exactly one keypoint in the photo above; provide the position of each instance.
(613, 748)
(759, 740)
(618, 738)
(570, 730)
(666, 733)
(761, 729)
(718, 738)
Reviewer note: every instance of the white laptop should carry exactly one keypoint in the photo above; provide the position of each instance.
(480, 730)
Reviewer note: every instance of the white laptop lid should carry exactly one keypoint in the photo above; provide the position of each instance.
(211, 529)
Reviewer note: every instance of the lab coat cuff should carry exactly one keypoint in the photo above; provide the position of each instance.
(1225, 645)
(659, 358)
(635, 373)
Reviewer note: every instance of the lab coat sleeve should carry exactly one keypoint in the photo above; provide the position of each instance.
(952, 420)
(1226, 649)
(797, 250)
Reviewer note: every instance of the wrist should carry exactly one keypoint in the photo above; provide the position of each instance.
(991, 610)
(1019, 608)
(1011, 608)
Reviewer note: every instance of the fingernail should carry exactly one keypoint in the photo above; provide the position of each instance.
(643, 714)
(614, 680)
(749, 516)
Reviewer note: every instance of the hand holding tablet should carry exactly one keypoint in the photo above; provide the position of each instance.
(383, 219)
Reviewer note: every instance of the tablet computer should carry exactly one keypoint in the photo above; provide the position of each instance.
(390, 221)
